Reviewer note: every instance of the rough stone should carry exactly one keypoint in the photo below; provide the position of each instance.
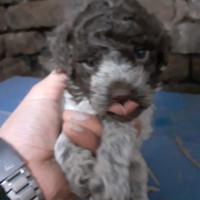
(181, 10)
(34, 14)
(183, 88)
(196, 68)
(36, 69)
(2, 46)
(45, 60)
(3, 24)
(185, 38)
(162, 8)
(13, 66)
(177, 69)
(9, 1)
(194, 9)
(24, 43)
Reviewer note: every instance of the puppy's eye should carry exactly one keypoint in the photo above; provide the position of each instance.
(141, 54)
(89, 63)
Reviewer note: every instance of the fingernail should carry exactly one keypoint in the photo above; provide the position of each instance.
(75, 127)
(59, 72)
(54, 72)
(79, 116)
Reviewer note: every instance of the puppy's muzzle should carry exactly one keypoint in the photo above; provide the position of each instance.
(121, 98)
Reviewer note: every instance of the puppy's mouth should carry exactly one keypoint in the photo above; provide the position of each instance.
(123, 110)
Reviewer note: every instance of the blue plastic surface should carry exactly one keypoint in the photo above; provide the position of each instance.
(175, 114)
(13, 90)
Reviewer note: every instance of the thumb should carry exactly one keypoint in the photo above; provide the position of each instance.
(50, 88)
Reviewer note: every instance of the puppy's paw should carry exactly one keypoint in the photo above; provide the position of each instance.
(79, 177)
(76, 163)
(97, 188)
(103, 188)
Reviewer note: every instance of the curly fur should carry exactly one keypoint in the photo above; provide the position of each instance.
(107, 33)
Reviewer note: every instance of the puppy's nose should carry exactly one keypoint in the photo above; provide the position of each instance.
(121, 96)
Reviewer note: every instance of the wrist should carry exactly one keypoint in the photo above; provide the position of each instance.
(15, 179)
(50, 179)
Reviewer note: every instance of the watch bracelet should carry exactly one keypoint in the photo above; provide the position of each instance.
(21, 186)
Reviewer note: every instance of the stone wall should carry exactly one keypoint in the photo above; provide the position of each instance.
(24, 27)
(182, 19)
(25, 24)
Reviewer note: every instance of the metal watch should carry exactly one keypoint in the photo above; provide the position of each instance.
(16, 182)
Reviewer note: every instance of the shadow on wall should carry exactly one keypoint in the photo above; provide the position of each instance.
(25, 25)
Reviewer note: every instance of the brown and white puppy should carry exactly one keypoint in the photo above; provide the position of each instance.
(112, 55)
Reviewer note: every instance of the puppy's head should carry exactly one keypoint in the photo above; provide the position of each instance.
(113, 54)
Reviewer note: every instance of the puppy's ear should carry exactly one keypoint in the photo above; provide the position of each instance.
(93, 8)
(61, 50)
(163, 50)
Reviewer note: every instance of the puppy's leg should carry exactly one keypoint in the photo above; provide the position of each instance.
(76, 163)
(138, 177)
(111, 171)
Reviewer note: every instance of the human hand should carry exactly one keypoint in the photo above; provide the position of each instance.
(32, 130)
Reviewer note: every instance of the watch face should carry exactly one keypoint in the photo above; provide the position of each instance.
(9, 160)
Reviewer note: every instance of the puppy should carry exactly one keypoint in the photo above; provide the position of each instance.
(112, 54)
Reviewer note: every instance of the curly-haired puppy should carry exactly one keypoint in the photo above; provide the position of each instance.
(112, 55)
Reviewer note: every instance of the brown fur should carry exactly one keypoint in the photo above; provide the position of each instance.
(108, 33)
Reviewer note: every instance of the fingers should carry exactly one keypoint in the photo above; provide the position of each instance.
(85, 120)
(82, 129)
(85, 130)
(81, 136)
(51, 87)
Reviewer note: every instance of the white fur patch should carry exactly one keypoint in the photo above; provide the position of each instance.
(124, 71)
(83, 106)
